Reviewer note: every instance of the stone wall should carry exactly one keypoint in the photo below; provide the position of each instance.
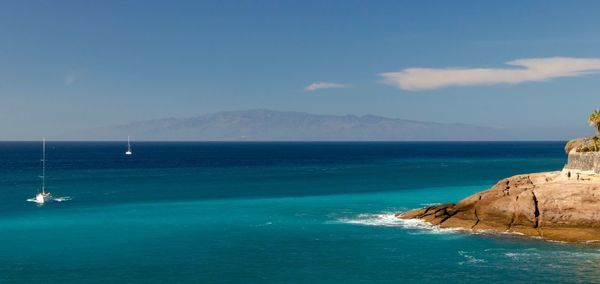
(585, 161)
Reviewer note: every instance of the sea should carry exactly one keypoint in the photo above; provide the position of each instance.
(176, 212)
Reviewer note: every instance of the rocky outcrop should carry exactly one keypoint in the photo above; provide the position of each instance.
(585, 144)
(552, 205)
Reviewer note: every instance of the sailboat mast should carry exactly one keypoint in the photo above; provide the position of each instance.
(44, 165)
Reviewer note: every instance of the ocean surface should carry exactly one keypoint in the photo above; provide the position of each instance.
(267, 213)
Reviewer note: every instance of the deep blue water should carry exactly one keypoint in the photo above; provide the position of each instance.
(267, 213)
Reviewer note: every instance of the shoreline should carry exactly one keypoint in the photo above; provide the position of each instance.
(549, 205)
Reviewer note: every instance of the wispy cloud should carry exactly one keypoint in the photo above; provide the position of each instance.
(325, 85)
(70, 79)
(523, 70)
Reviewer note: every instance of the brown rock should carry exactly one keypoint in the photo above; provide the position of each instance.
(549, 205)
(584, 144)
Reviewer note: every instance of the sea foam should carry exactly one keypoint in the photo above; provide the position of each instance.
(390, 220)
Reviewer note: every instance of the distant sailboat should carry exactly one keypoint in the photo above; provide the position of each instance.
(128, 152)
(42, 196)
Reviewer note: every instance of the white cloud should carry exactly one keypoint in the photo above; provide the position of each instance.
(525, 70)
(325, 85)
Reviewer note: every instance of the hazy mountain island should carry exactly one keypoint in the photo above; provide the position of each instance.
(268, 125)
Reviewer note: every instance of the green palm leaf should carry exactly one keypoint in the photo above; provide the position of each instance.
(594, 120)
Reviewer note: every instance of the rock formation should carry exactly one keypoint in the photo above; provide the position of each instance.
(585, 144)
(554, 205)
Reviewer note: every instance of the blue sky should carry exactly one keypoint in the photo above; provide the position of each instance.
(69, 65)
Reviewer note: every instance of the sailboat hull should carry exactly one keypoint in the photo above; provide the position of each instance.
(42, 198)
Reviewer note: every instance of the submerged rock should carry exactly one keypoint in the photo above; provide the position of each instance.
(552, 205)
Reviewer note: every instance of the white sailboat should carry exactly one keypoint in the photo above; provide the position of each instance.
(128, 152)
(42, 195)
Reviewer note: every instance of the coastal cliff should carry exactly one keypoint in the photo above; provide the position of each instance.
(557, 205)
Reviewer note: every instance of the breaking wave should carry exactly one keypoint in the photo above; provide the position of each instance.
(390, 220)
(469, 258)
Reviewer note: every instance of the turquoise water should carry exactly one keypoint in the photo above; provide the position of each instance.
(267, 213)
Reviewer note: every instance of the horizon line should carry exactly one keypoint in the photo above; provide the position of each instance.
(290, 141)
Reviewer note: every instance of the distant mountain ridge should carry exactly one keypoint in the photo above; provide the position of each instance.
(269, 125)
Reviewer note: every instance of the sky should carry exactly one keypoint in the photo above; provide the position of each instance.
(72, 65)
